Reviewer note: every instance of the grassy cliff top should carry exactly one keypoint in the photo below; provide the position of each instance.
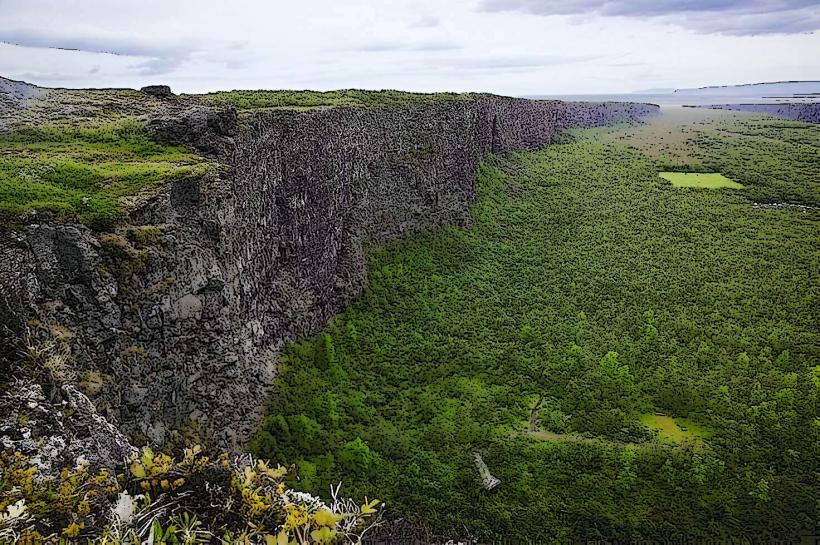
(251, 100)
(83, 153)
(85, 171)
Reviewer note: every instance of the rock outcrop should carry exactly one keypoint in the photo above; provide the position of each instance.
(159, 91)
(55, 429)
(178, 315)
(13, 96)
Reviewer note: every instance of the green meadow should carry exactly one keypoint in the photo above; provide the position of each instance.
(700, 180)
(589, 295)
(672, 429)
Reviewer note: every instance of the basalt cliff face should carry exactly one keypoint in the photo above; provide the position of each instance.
(172, 322)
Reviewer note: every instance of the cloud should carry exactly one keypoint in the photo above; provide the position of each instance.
(516, 62)
(731, 17)
(381, 47)
(161, 57)
(426, 21)
(331, 44)
(157, 56)
(158, 66)
(92, 41)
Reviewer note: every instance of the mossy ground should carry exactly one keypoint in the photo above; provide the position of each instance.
(84, 171)
(600, 286)
(249, 100)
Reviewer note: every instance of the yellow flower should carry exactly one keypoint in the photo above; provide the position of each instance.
(138, 470)
(83, 508)
(72, 530)
(297, 517)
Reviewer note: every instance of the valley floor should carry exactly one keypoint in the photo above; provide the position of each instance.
(662, 341)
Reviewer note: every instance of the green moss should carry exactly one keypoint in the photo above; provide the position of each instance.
(83, 172)
(249, 100)
(126, 260)
(145, 235)
(92, 383)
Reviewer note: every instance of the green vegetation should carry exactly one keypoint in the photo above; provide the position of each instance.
(85, 171)
(775, 160)
(249, 100)
(677, 430)
(592, 285)
(700, 180)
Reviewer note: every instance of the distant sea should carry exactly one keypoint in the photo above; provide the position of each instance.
(676, 99)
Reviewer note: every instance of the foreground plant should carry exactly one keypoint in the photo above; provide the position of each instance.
(163, 500)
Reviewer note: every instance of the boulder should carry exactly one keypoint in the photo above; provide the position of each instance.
(159, 91)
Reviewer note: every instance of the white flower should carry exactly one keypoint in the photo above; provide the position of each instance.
(125, 508)
(304, 499)
(13, 512)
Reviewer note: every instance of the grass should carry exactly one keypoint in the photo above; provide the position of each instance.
(250, 100)
(610, 293)
(672, 429)
(84, 172)
(700, 180)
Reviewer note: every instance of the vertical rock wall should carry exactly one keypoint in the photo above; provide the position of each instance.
(179, 314)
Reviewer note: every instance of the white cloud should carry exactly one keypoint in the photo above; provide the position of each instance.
(426, 21)
(733, 17)
(425, 45)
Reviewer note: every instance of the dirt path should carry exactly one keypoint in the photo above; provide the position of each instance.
(572, 438)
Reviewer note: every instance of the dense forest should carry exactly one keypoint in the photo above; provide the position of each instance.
(631, 359)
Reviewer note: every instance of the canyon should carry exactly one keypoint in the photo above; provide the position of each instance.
(172, 318)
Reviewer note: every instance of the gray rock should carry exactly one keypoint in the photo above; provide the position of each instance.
(59, 429)
(160, 91)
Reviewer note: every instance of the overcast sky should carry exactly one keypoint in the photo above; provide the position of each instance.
(515, 47)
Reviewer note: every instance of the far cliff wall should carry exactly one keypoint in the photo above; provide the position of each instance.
(182, 311)
(806, 111)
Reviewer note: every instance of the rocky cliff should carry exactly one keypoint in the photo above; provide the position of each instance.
(797, 111)
(172, 322)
